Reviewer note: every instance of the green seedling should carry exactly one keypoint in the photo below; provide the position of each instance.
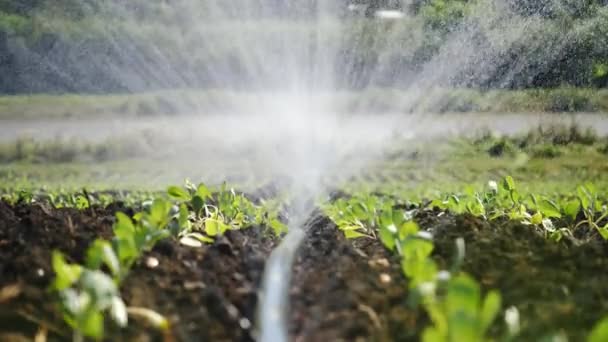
(85, 296)
(215, 213)
(87, 293)
(594, 210)
(358, 216)
(462, 314)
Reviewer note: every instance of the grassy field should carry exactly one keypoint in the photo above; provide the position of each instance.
(184, 102)
(545, 159)
(508, 231)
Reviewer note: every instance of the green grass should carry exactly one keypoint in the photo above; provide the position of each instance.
(454, 164)
(416, 169)
(36, 107)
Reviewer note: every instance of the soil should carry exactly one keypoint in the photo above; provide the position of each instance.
(345, 290)
(208, 293)
(342, 290)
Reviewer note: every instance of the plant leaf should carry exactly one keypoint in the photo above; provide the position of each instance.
(91, 324)
(203, 192)
(508, 184)
(572, 208)
(101, 251)
(184, 223)
(537, 218)
(353, 234)
(65, 274)
(489, 310)
(549, 208)
(212, 227)
(178, 193)
(603, 232)
(387, 237)
(599, 332)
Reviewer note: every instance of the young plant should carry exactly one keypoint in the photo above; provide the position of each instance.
(594, 210)
(86, 292)
(358, 216)
(85, 296)
(462, 314)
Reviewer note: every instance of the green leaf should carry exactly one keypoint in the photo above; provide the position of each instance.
(212, 227)
(203, 192)
(101, 252)
(127, 249)
(416, 248)
(572, 208)
(223, 227)
(178, 193)
(200, 237)
(537, 218)
(476, 208)
(126, 239)
(81, 202)
(183, 221)
(489, 310)
(463, 296)
(454, 203)
(353, 234)
(549, 208)
(124, 226)
(65, 274)
(603, 232)
(591, 189)
(197, 204)
(360, 211)
(583, 196)
(91, 324)
(407, 229)
(508, 184)
(432, 334)
(74, 303)
(387, 237)
(515, 196)
(599, 332)
(100, 286)
(419, 270)
(398, 217)
(277, 226)
(159, 213)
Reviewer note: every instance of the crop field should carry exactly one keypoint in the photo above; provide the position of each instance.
(306, 171)
(468, 238)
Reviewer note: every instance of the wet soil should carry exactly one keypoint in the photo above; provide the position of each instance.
(342, 290)
(208, 293)
(557, 287)
(349, 291)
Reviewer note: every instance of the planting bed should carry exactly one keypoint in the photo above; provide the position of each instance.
(341, 290)
(356, 291)
(207, 293)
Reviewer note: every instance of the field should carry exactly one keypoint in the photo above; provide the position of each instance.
(478, 234)
(287, 170)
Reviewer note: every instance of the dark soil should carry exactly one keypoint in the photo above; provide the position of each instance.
(342, 290)
(557, 287)
(208, 293)
(338, 292)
